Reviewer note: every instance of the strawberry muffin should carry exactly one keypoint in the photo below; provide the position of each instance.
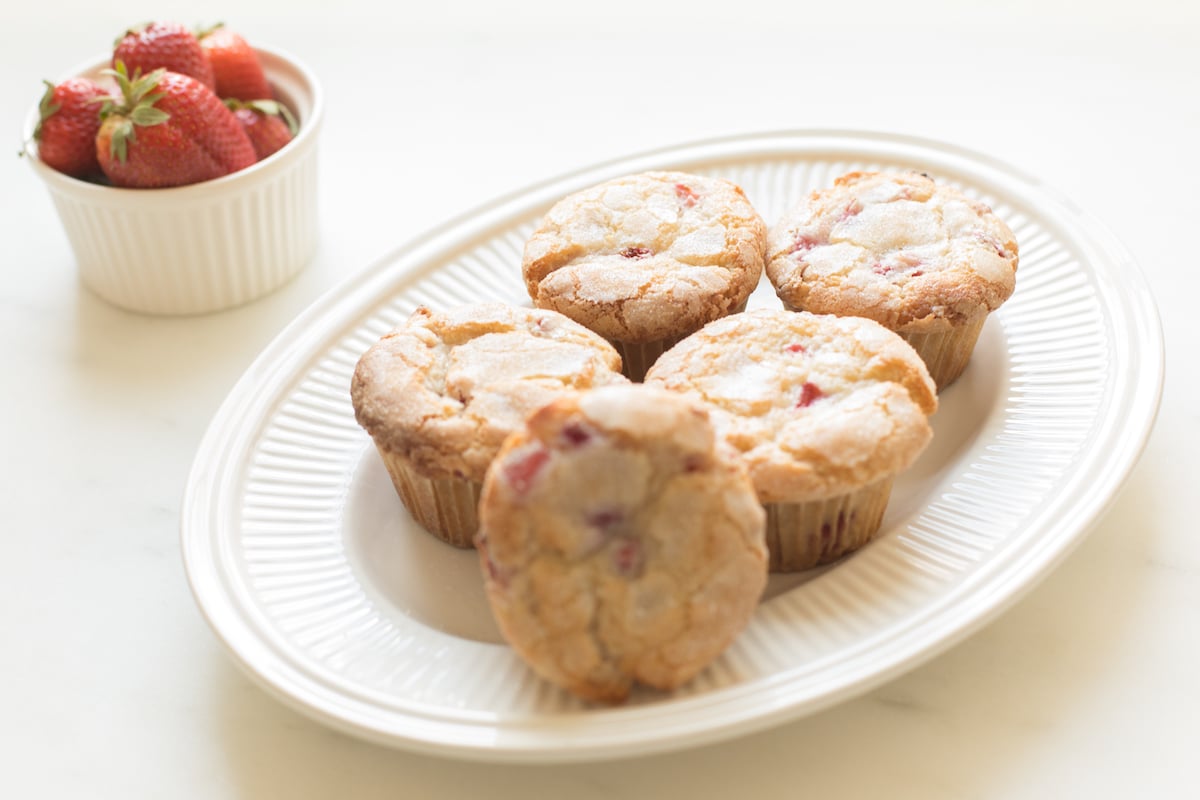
(922, 259)
(646, 259)
(439, 394)
(825, 412)
(620, 543)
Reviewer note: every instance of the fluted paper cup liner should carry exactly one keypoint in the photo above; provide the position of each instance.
(638, 357)
(207, 246)
(805, 535)
(946, 353)
(446, 507)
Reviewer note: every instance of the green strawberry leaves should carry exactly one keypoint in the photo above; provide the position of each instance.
(272, 108)
(206, 30)
(46, 109)
(147, 114)
(122, 135)
(137, 109)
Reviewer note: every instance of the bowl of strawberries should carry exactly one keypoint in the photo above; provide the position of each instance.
(183, 168)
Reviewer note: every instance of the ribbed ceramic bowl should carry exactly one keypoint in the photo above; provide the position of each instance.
(204, 247)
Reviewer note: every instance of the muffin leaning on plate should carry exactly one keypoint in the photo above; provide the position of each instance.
(646, 259)
(620, 543)
(921, 259)
(825, 412)
(440, 393)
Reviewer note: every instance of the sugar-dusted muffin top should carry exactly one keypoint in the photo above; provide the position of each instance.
(817, 405)
(619, 544)
(445, 388)
(648, 256)
(894, 247)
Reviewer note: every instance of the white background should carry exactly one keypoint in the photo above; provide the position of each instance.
(113, 686)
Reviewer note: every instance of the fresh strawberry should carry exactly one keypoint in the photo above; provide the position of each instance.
(269, 124)
(169, 130)
(68, 124)
(235, 65)
(163, 45)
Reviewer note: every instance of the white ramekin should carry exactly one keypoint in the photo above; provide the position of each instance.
(204, 247)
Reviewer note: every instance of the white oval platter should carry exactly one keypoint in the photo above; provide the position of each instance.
(313, 575)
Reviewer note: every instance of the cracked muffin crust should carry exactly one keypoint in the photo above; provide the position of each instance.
(439, 394)
(646, 259)
(922, 259)
(824, 412)
(619, 542)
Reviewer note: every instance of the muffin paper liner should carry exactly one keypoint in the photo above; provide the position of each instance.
(946, 354)
(446, 507)
(804, 535)
(638, 357)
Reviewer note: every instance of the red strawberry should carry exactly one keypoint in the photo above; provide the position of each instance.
(169, 130)
(235, 65)
(70, 120)
(163, 45)
(268, 124)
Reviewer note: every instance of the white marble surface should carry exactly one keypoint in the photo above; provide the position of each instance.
(113, 685)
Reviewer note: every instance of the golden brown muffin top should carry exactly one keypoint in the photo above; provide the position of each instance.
(894, 247)
(648, 256)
